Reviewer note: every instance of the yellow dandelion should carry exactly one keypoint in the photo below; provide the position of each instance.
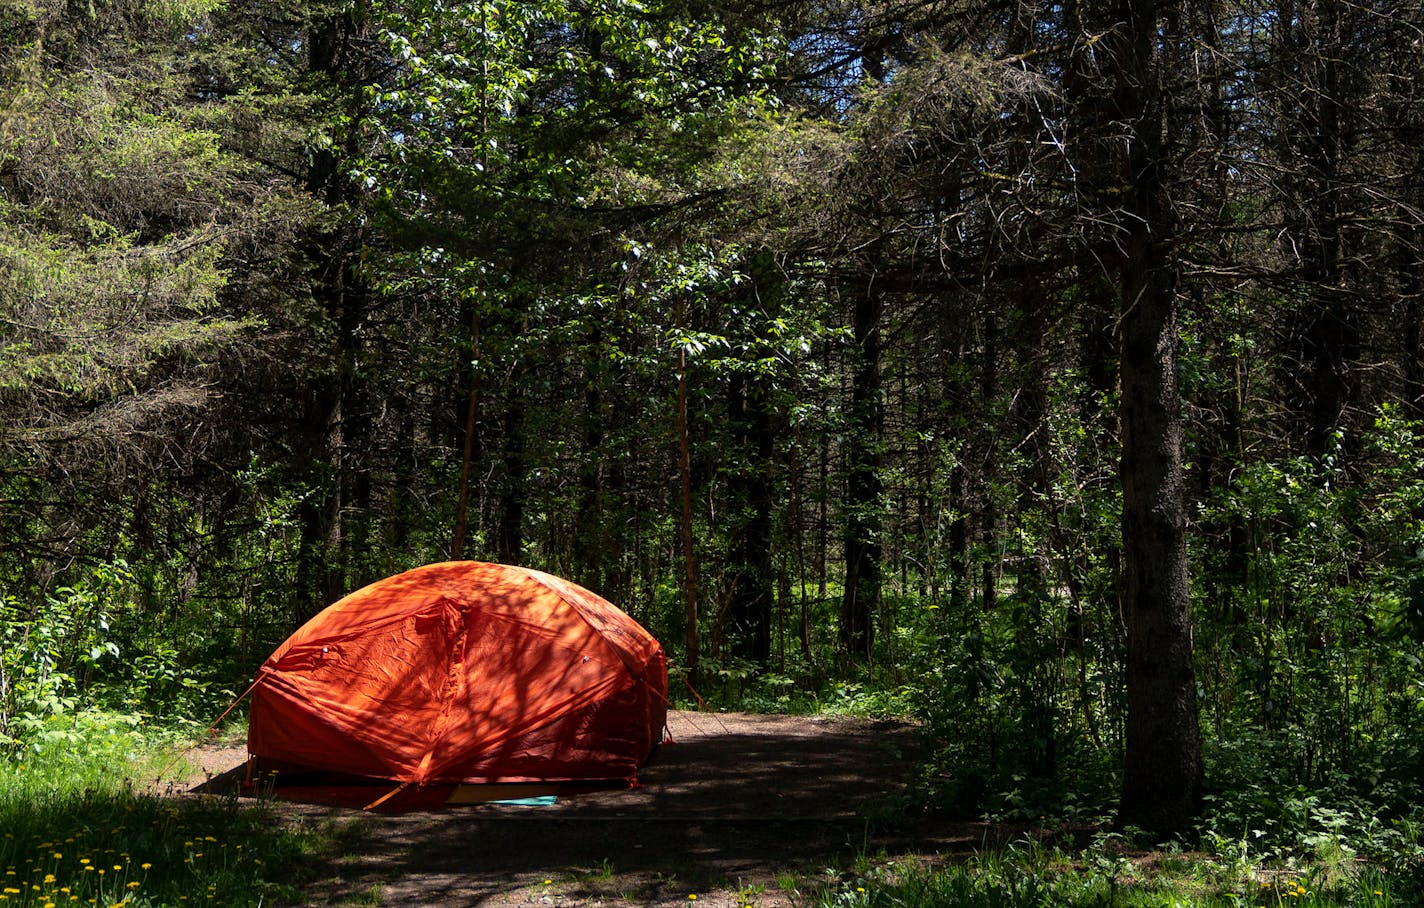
(146, 866)
(84, 860)
(118, 866)
(134, 885)
(49, 878)
(692, 897)
(57, 855)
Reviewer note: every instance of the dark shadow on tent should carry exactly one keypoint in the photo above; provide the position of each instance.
(461, 673)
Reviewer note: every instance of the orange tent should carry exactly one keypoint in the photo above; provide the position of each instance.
(464, 672)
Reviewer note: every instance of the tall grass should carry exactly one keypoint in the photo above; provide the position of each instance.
(1037, 878)
(77, 827)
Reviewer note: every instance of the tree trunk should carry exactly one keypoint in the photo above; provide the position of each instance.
(750, 488)
(467, 455)
(341, 293)
(320, 576)
(589, 534)
(514, 488)
(689, 586)
(989, 515)
(861, 596)
(1162, 769)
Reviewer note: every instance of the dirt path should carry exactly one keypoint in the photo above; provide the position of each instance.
(740, 809)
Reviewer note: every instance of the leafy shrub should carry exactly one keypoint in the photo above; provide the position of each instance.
(47, 652)
(81, 646)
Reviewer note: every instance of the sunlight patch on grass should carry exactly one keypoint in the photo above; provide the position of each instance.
(1037, 877)
(78, 830)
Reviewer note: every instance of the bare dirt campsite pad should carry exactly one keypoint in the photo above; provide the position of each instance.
(740, 809)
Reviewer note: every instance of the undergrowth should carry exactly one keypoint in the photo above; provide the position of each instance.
(82, 826)
(1026, 875)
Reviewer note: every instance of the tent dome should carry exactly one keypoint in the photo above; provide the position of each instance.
(464, 672)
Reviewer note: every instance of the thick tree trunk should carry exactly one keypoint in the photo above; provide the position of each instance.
(1162, 769)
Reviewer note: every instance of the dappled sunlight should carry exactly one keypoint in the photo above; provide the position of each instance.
(463, 672)
(735, 797)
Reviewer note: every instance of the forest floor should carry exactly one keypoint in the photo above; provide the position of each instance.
(738, 810)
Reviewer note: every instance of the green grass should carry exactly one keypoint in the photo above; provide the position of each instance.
(76, 829)
(1039, 879)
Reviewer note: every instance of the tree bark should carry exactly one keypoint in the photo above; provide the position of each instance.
(514, 488)
(861, 597)
(689, 562)
(750, 487)
(1162, 768)
(589, 535)
(989, 516)
(338, 288)
(467, 456)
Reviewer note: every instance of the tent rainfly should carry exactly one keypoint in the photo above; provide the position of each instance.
(464, 673)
